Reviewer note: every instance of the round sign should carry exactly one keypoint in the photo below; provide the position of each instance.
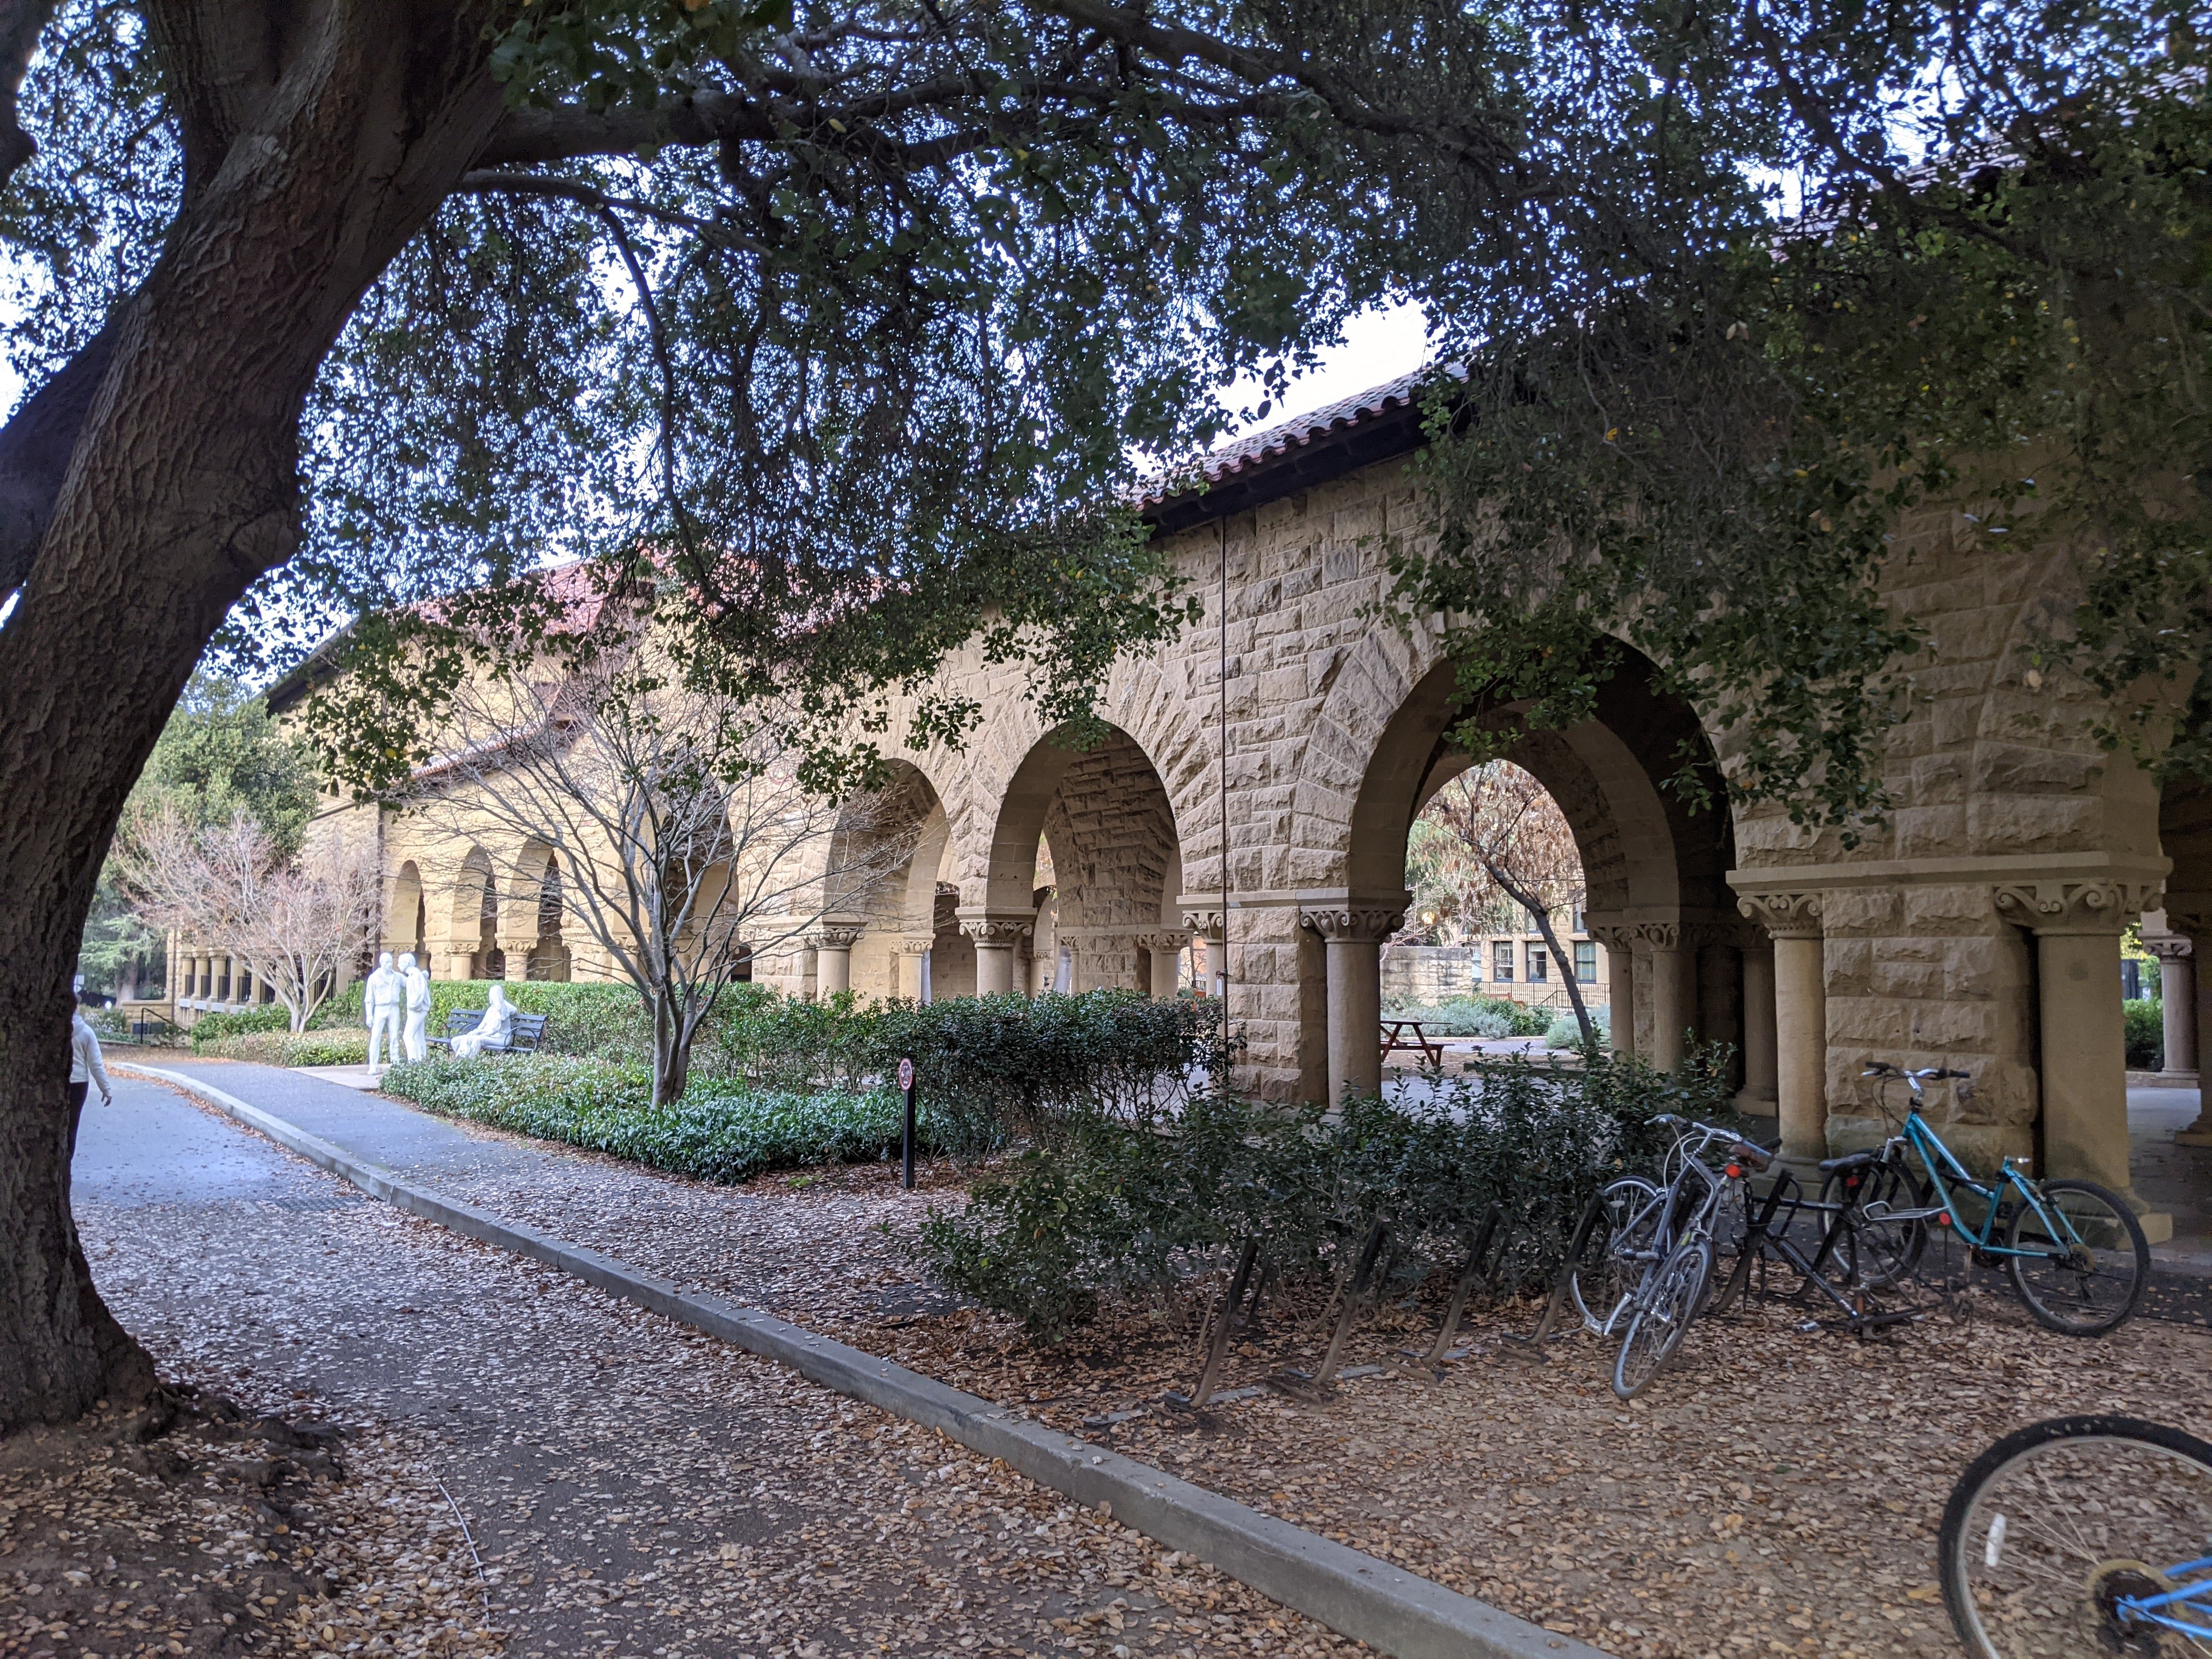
(906, 1074)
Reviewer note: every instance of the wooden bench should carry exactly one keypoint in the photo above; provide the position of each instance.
(528, 1030)
(1394, 1040)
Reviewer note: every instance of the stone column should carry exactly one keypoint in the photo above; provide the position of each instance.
(1619, 982)
(1758, 1098)
(1166, 951)
(2176, 1001)
(460, 964)
(914, 955)
(517, 952)
(2084, 1061)
(833, 960)
(1207, 924)
(1670, 1009)
(997, 936)
(2196, 927)
(1354, 936)
(1801, 1020)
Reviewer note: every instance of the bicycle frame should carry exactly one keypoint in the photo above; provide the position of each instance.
(2150, 1609)
(1947, 1173)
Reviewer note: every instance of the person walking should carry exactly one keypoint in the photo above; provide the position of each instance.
(85, 1068)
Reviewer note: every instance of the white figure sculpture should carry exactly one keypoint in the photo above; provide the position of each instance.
(493, 1031)
(381, 1000)
(412, 1043)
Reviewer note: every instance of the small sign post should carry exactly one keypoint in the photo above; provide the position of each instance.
(906, 1138)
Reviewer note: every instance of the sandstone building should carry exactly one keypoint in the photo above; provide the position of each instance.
(1979, 927)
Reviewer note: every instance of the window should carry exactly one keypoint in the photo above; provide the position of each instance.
(1501, 952)
(1539, 962)
(1586, 961)
(1582, 920)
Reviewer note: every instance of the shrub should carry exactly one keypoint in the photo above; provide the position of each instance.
(1117, 1206)
(2146, 1018)
(212, 1028)
(282, 1047)
(606, 1106)
(1566, 1031)
(587, 1018)
(1474, 1017)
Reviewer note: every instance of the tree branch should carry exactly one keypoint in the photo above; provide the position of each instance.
(21, 22)
(35, 447)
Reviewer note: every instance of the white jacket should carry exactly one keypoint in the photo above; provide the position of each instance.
(84, 1057)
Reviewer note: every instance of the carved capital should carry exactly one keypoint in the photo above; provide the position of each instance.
(1614, 936)
(1008, 931)
(2169, 949)
(917, 947)
(1204, 923)
(1162, 941)
(835, 939)
(1659, 935)
(2075, 907)
(1364, 923)
(1785, 915)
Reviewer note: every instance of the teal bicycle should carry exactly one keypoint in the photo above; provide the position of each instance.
(2074, 1251)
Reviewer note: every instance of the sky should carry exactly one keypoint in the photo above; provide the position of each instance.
(1380, 344)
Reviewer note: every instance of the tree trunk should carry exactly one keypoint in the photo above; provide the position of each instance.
(1543, 920)
(672, 1037)
(182, 488)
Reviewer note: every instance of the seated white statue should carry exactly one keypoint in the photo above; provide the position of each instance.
(495, 1030)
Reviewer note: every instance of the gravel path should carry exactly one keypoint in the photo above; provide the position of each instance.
(633, 1487)
(1777, 1491)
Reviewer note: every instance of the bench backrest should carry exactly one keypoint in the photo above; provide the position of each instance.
(529, 1029)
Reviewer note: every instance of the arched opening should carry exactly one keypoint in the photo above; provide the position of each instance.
(1655, 870)
(549, 957)
(473, 937)
(1090, 832)
(1500, 905)
(880, 877)
(407, 915)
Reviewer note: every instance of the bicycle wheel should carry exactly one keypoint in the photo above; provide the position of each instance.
(2091, 1281)
(1665, 1306)
(2053, 1531)
(1882, 1252)
(1606, 1270)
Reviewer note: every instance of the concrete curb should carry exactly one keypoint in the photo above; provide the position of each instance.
(1354, 1595)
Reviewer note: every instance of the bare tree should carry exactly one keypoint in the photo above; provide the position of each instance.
(296, 925)
(1504, 837)
(683, 840)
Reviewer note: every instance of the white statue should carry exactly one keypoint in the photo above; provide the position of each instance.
(494, 1030)
(381, 1001)
(412, 1043)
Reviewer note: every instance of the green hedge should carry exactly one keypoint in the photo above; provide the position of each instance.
(2145, 1017)
(580, 1018)
(606, 1106)
(336, 1046)
(269, 1016)
(1474, 1017)
(1118, 1206)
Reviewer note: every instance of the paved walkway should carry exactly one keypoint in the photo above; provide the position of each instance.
(635, 1487)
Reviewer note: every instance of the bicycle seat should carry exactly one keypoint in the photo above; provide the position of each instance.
(1849, 1161)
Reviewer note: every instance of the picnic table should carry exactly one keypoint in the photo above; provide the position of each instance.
(1394, 1040)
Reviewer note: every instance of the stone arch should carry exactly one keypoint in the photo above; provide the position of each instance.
(1659, 896)
(880, 870)
(473, 935)
(1106, 814)
(406, 915)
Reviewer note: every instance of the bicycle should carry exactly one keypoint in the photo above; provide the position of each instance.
(2082, 1536)
(1765, 1236)
(1645, 1252)
(2074, 1251)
